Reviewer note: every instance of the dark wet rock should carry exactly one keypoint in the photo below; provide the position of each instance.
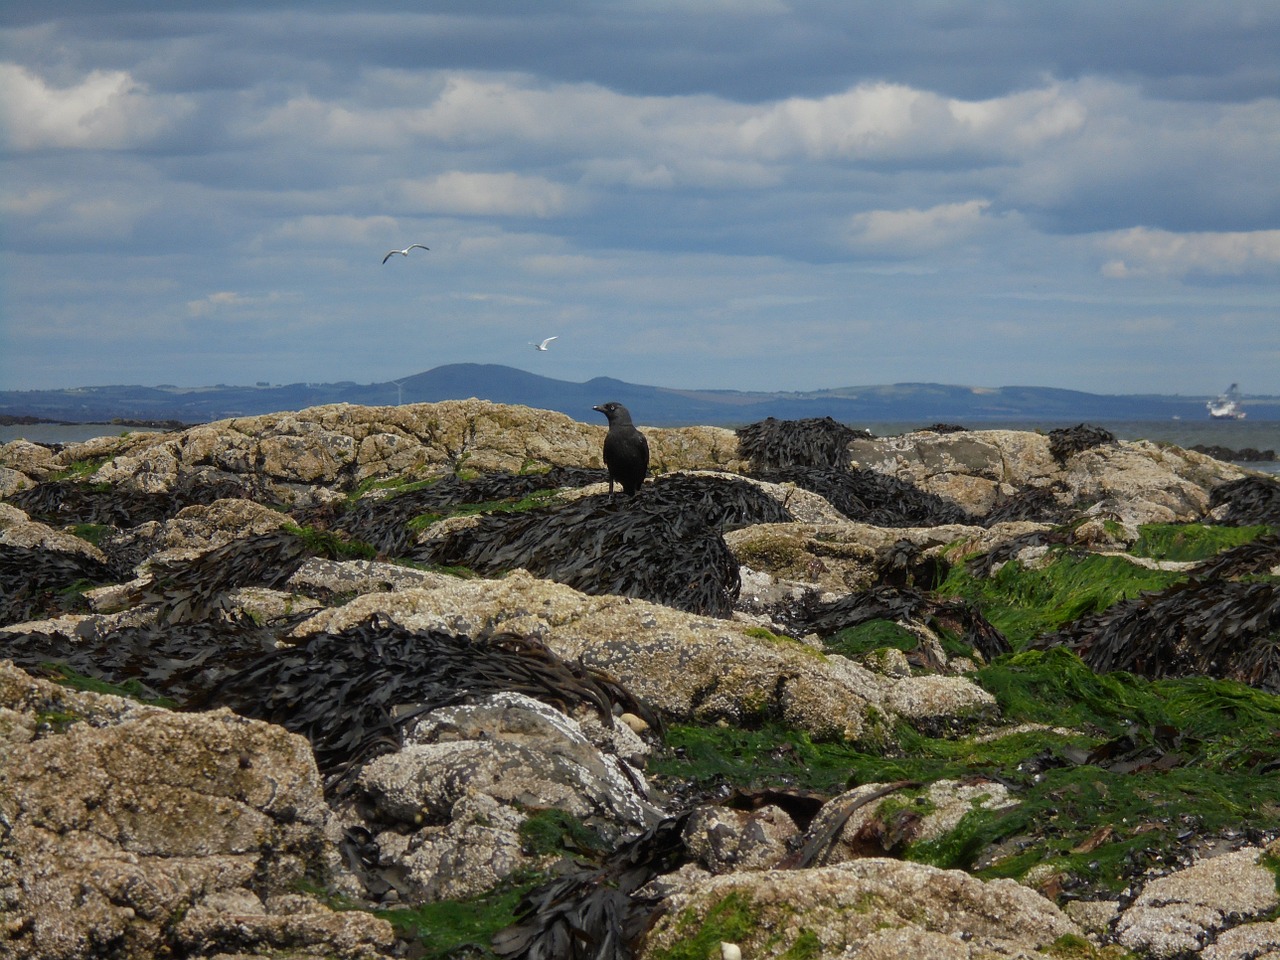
(1243, 455)
(773, 444)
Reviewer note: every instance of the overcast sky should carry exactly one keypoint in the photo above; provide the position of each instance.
(749, 194)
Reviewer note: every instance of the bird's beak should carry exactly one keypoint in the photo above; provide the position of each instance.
(601, 409)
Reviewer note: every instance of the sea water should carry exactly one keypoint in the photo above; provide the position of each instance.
(1232, 434)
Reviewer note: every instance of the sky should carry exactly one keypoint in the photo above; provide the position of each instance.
(740, 194)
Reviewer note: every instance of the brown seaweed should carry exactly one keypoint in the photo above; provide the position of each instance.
(1247, 502)
(1229, 629)
(1068, 441)
(383, 521)
(596, 912)
(773, 444)
(198, 588)
(354, 693)
(39, 582)
(661, 545)
(871, 497)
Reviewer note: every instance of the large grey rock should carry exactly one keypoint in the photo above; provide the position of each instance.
(117, 819)
(339, 445)
(1153, 483)
(686, 665)
(456, 794)
(872, 907)
(1179, 914)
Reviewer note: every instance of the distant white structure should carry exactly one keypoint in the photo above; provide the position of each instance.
(404, 252)
(1227, 405)
(543, 344)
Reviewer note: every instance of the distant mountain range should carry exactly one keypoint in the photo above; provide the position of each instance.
(922, 403)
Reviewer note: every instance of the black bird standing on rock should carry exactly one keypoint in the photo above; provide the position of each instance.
(626, 451)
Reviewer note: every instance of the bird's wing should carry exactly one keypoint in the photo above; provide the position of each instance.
(548, 340)
(412, 245)
(390, 255)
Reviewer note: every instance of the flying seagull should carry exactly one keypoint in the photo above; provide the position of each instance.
(404, 252)
(543, 344)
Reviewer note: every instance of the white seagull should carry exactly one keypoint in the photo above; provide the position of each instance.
(404, 252)
(543, 344)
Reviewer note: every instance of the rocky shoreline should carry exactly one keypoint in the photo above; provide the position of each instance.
(280, 685)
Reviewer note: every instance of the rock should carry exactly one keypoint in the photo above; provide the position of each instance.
(19, 530)
(685, 665)
(874, 819)
(137, 816)
(467, 778)
(1179, 914)
(872, 907)
(725, 840)
(977, 469)
(341, 445)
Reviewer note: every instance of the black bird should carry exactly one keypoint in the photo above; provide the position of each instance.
(626, 451)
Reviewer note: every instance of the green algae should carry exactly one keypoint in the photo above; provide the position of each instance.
(1196, 756)
(533, 501)
(731, 919)
(857, 642)
(452, 928)
(553, 831)
(1190, 542)
(1023, 602)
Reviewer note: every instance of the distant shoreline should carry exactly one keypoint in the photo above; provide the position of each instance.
(11, 421)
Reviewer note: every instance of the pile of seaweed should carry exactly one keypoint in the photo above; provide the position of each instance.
(665, 544)
(174, 663)
(1068, 441)
(597, 912)
(382, 520)
(958, 618)
(1247, 502)
(37, 583)
(772, 444)
(813, 454)
(870, 497)
(58, 502)
(1221, 622)
(354, 693)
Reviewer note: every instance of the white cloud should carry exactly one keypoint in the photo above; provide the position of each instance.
(327, 229)
(486, 194)
(911, 231)
(1142, 252)
(877, 120)
(214, 302)
(107, 110)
